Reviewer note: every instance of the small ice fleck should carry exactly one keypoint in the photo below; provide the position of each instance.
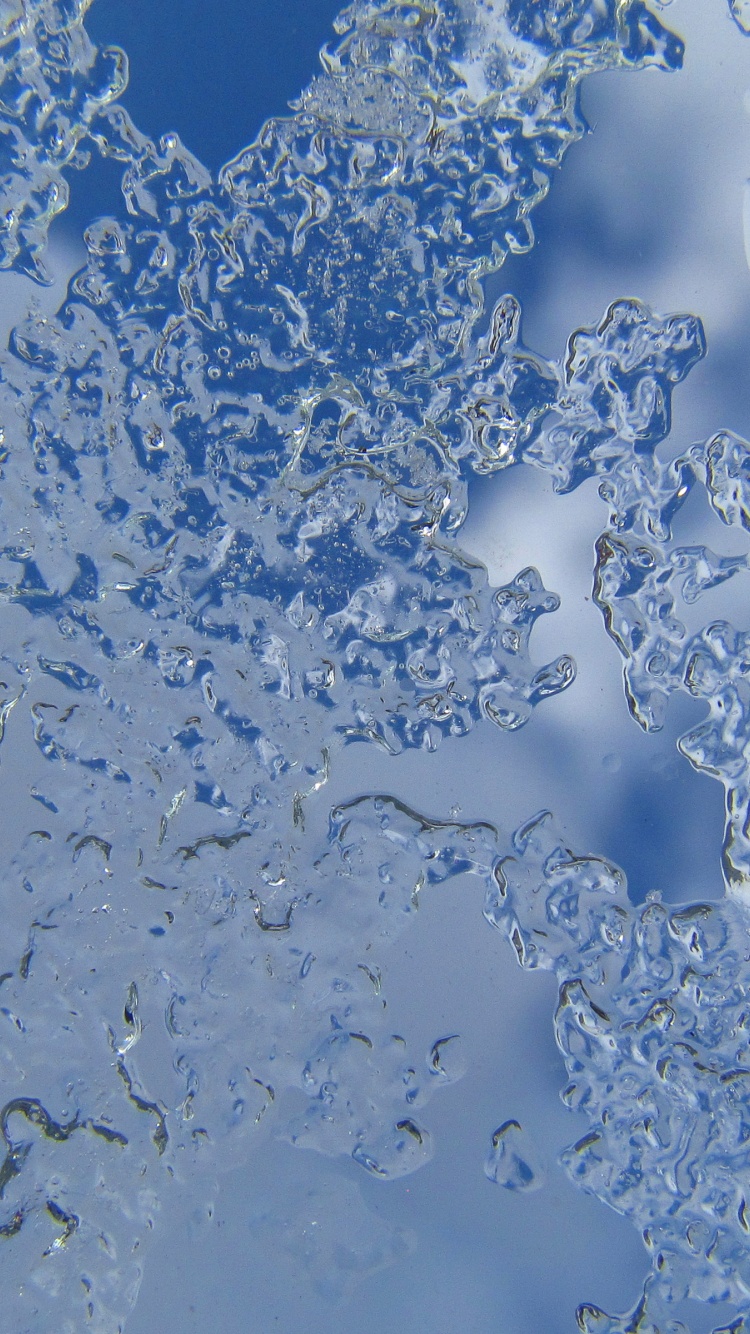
(511, 1161)
(740, 11)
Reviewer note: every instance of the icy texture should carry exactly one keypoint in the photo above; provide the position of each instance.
(653, 1024)
(234, 468)
(53, 85)
(613, 413)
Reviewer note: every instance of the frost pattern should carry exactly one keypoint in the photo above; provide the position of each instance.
(234, 469)
(612, 412)
(653, 1023)
(652, 1020)
(53, 85)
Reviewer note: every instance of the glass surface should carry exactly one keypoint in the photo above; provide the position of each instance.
(267, 732)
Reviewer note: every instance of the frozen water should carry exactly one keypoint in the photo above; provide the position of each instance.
(237, 464)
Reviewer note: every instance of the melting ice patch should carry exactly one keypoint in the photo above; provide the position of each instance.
(235, 469)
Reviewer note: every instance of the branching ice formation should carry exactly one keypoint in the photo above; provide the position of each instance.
(234, 470)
